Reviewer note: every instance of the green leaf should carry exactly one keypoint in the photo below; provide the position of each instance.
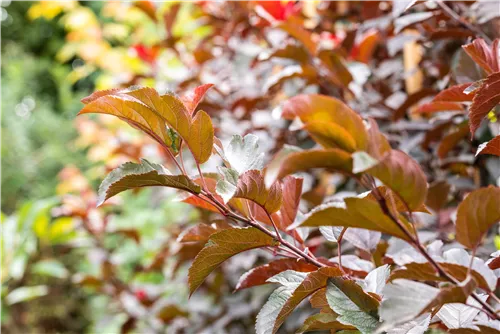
(220, 247)
(50, 268)
(332, 159)
(354, 212)
(353, 306)
(269, 312)
(251, 186)
(404, 176)
(26, 293)
(227, 186)
(477, 213)
(146, 174)
(243, 153)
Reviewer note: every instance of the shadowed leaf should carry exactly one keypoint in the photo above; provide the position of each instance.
(220, 247)
(146, 174)
(486, 98)
(490, 147)
(477, 213)
(251, 186)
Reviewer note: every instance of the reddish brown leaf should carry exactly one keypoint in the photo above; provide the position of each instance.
(313, 107)
(192, 99)
(439, 106)
(455, 94)
(484, 55)
(477, 213)
(491, 147)
(333, 159)
(377, 142)
(404, 176)
(292, 190)
(437, 196)
(259, 275)
(221, 246)
(330, 135)
(452, 139)
(486, 98)
(251, 186)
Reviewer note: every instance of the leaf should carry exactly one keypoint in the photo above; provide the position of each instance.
(354, 212)
(452, 139)
(260, 275)
(322, 321)
(399, 7)
(481, 329)
(242, 154)
(437, 196)
(300, 34)
(376, 279)
(415, 326)
(394, 202)
(292, 190)
(332, 159)
(361, 161)
(227, 186)
(330, 135)
(192, 99)
(220, 247)
(26, 293)
(130, 109)
(404, 176)
(251, 186)
(407, 20)
(202, 232)
(51, 268)
(201, 137)
(363, 239)
(456, 315)
(169, 312)
(405, 300)
(484, 55)
(455, 94)
(378, 145)
(313, 282)
(490, 147)
(439, 106)
(273, 168)
(353, 306)
(477, 213)
(146, 174)
(313, 107)
(486, 98)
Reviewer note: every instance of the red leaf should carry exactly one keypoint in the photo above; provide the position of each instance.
(437, 106)
(292, 190)
(192, 99)
(491, 147)
(484, 55)
(486, 98)
(259, 275)
(455, 94)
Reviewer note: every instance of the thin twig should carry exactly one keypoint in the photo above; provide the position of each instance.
(451, 13)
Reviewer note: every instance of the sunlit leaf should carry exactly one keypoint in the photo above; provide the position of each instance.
(323, 321)
(146, 174)
(477, 213)
(220, 247)
(332, 159)
(404, 176)
(192, 99)
(327, 109)
(226, 187)
(455, 94)
(354, 212)
(242, 154)
(330, 135)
